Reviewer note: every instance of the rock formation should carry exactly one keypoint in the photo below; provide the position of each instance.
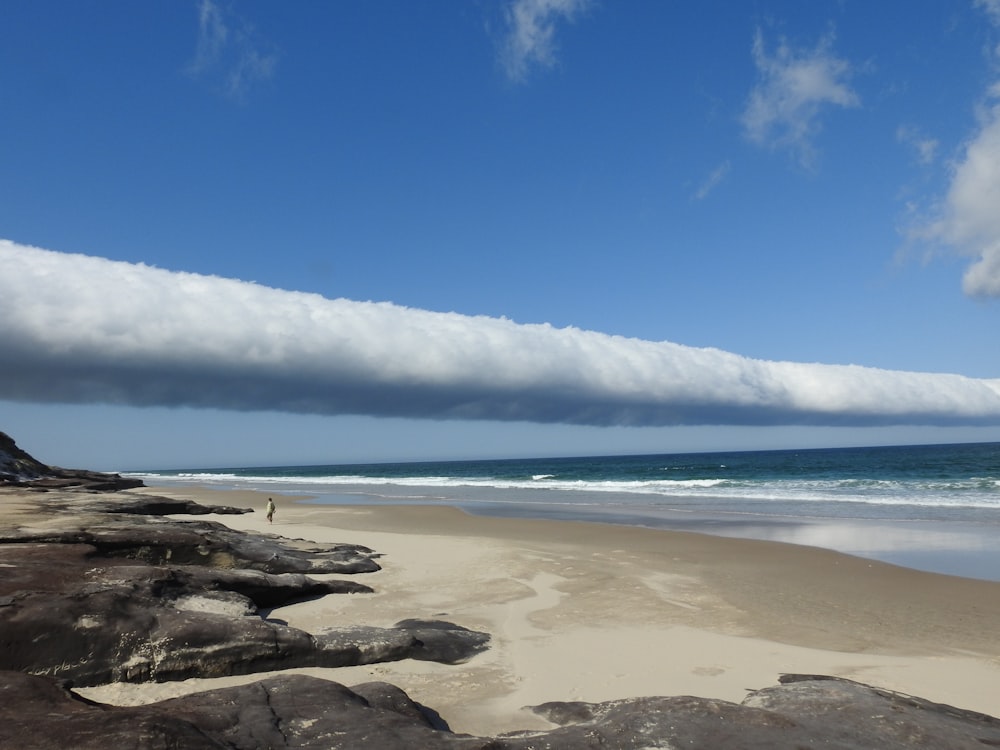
(306, 712)
(96, 594)
(18, 469)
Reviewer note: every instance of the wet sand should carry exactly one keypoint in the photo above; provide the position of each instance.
(591, 612)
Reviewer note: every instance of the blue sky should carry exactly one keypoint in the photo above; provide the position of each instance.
(589, 227)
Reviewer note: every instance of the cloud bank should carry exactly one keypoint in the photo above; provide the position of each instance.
(76, 328)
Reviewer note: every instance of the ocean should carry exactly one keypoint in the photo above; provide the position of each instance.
(931, 507)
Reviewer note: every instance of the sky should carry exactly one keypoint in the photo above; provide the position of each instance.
(238, 233)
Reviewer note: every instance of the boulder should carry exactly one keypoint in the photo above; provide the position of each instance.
(297, 711)
(804, 711)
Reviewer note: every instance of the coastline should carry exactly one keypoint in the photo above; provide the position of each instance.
(589, 611)
(932, 508)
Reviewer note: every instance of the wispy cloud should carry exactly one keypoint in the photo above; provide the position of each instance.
(924, 147)
(229, 51)
(713, 180)
(783, 110)
(77, 328)
(967, 219)
(992, 8)
(530, 36)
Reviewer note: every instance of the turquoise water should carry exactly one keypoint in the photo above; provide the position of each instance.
(935, 507)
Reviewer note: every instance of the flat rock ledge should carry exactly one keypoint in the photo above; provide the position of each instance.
(295, 711)
(94, 592)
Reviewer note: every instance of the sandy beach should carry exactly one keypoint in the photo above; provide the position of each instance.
(592, 612)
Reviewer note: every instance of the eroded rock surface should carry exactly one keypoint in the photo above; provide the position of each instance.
(304, 712)
(115, 533)
(101, 587)
(18, 469)
(110, 608)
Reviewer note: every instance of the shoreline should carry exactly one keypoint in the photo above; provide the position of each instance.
(590, 611)
(959, 545)
(959, 548)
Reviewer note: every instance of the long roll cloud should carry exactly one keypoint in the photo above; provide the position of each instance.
(76, 328)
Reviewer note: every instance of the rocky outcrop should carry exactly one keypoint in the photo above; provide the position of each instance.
(18, 469)
(805, 711)
(16, 465)
(306, 712)
(104, 587)
(117, 533)
(128, 598)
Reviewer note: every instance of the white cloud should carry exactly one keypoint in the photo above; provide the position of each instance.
(983, 277)
(212, 35)
(925, 148)
(713, 180)
(968, 220)
(530, 38)
(81, 329)
(794, 85)
(230, 51)
(992, 8)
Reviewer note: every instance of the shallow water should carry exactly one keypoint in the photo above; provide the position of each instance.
(933, 508)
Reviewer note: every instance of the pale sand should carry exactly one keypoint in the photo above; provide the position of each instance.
(593, 612)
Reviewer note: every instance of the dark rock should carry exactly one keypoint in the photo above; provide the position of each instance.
(806, 711)
(39, 713)
(73, 613)
(443, 641)
(306, 712)
(283, 712)
(438, 641)
(821, 703)
(132, 503)
(16, 465)
(148, 505)
(382, 695)
(78, 479)
(159, 541)
(99, 595)
(294, 712)
(19, 469)
(268, 590)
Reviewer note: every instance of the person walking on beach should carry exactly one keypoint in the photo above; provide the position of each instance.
(270, 510)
